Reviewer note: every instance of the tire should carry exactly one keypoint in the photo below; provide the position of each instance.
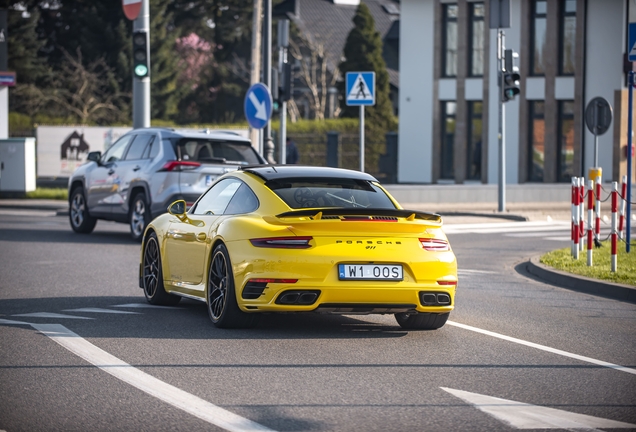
(81, 221)
(139, 216)
(152, 277)
(421, 321)
(221, 295)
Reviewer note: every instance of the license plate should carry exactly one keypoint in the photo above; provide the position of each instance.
(370, 272)
(209, 179)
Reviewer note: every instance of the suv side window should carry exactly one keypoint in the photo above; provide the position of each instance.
(153, 149)
(138, 147)
(217, 198)
(116, 151)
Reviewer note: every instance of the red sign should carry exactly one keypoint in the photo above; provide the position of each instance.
(131, 8)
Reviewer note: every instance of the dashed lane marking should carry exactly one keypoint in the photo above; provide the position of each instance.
(99, 310)
(144, 306)
(51, 315)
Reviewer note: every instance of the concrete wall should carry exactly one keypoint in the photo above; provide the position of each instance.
(417, 24)
(605, 45)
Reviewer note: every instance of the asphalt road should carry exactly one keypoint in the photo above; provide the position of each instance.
(109, 362)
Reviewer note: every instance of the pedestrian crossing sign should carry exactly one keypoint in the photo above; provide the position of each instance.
(360, 89)
(631, 55)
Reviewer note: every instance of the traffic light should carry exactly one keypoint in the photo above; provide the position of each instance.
(510, 76)
(287, 84)
(141, 55)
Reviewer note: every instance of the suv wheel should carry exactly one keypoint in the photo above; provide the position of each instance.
(81, 221)
(139, 216)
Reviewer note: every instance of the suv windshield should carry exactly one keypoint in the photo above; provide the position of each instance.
(319, 192)
(213, 151)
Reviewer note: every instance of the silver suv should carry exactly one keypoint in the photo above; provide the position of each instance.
(146, 170)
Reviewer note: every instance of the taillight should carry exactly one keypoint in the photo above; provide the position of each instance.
(282, 242)
(179, 165)
(434, 245)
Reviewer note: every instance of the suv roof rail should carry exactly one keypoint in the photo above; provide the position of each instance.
(230, 132)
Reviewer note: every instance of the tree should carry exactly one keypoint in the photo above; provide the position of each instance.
(363, 52)
(314, 71)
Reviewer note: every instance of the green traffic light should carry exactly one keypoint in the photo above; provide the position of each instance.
(141, 70)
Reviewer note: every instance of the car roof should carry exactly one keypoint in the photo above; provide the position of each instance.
(277, 172)
(219, 134)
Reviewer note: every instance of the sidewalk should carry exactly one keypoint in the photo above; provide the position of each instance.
(455, 213)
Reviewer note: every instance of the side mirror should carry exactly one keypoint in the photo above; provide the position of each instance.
(94, 156)
(178, 209)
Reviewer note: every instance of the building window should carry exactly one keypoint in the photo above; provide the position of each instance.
(537, 141)
(450, 40)
(448, 139)
(566, 141)
(477, 39)
(567, 37)
(473, 153)
(538, 37)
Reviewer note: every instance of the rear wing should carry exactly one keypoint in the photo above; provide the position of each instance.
(360, 214)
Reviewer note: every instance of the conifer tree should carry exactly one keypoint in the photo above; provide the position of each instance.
(363, 52)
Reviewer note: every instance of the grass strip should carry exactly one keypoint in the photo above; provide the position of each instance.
(561, 259)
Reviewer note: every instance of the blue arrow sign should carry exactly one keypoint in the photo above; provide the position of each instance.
(360, 88)
(258, 105)
(631, 53)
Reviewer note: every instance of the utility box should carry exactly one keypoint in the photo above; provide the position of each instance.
(17, 165)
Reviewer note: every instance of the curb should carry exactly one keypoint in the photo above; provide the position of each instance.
(584, 284)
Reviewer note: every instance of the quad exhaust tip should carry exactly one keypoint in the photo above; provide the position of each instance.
(298, 297)
(435, 299)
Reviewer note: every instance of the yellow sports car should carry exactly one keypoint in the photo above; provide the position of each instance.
(300, 239)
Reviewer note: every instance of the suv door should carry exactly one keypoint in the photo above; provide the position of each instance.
(101, 182)
(131, 170)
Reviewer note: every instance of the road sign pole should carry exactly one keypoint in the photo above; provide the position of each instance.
(141, 86)
(628, 200)
(362, 138)
(502, 118)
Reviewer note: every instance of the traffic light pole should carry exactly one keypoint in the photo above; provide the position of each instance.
(141, 86)
(502, 119)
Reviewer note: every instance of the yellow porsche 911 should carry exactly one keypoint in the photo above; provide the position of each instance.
(300, 239)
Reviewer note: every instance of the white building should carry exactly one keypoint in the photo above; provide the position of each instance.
(571, 51)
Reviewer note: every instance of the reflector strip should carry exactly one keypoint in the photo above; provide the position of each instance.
(273, 280)
(446, 282)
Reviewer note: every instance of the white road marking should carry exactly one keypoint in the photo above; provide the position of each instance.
(51, 315)
(123, 371)
(6, 321)
(30, 213)
(544, 348)
(526, 416)
(564, 238)
(144, 305)
(496, 230)
(468, 271)
(99, 310)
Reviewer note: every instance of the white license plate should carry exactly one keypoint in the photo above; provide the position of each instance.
(370, 272)
(209, 179)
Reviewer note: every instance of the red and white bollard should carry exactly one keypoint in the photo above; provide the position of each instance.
(581, 212)
(590, 221)
(575, 218)
(621, 219)
(614, 235)
(597, 210)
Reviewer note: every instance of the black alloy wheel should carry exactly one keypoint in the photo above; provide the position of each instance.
(152, 276)
(221, 297)
(80, 220)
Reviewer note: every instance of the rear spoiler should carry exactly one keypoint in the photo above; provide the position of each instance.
(318, 214)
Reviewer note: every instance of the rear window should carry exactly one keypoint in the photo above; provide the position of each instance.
(213, 151)
(341, 193)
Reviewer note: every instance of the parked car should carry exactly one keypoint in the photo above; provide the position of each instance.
(290, 238)
(147, 169)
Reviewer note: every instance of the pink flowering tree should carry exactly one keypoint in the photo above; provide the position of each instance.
(196, 60)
